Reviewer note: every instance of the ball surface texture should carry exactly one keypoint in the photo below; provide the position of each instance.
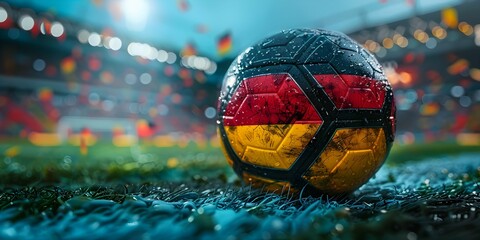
(306, 109)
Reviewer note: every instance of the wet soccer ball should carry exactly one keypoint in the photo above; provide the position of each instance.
(306, 110)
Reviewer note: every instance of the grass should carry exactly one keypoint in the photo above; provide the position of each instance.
(417, 152)
(384, 208)
(428, 191)
(24, 163)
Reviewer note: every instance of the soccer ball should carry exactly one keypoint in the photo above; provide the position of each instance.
(306, 110)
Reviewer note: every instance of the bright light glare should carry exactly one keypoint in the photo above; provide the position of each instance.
(136, 14)
(171, 57)
(3, 14)
(145, 78)
(210, 112)
(94, 39)
(115, 43)
(162, 56)
(83, 36)
(212, 68)
(57, 29)
(26, 22)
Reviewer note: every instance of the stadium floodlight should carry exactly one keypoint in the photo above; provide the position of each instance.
(136, 14)
(3, 15)
(26, 22)
(115, 43)
(94, 39)
(57, 29)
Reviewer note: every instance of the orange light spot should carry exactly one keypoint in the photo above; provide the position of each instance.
(387, 43)
(45, 94)
(449, 17)
(458, 67)
(68, 65)
(475, 74)
(172, 162)
(405, 78)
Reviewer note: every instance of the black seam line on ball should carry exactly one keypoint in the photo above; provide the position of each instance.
(317, 95)
(292, 175)
(372, 116)
(312, 151)
(299, 167)
(272, 70)
(298, 173)
(387, 108)
(368, 118)
(332, 129)
(240, 166)
(322, 135)
(291, 61)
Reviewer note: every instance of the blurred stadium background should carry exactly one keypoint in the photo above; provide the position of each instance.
(108, 129)
(136, 81)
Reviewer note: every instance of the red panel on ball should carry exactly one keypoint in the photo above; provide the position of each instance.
(269, 99)
(352, 91)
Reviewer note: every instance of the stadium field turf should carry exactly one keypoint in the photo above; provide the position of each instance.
(146, 192)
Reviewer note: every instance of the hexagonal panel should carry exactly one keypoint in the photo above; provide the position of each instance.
(269, 121)
(352, 91)
(275, 146)
(351, 157)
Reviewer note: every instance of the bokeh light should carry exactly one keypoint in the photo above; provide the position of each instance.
(26, 22)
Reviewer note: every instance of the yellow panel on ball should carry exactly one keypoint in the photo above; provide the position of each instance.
(274, 146)
(351, 157)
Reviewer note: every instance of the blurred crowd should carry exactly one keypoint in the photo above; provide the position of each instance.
(44, 79)
(437, 97)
